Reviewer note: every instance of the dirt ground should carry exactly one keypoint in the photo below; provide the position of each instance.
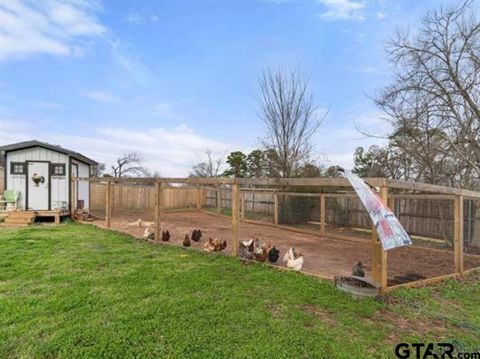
(324, 256)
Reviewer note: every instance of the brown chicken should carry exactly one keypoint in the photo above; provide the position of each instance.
(215, 245)
(186, 242)
(209, 245)
(260, 250)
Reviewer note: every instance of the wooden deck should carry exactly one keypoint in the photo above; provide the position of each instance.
(25, 218)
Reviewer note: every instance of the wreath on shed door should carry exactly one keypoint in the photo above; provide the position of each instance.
(37, 179)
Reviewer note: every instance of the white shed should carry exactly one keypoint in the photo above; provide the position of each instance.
(42, 173)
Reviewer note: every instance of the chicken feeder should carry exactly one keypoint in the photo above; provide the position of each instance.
(357, 286)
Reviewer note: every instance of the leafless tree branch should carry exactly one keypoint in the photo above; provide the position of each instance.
(291, 118)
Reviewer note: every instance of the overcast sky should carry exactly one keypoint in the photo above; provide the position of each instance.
(171, 79)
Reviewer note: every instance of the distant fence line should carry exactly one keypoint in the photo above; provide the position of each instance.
(136, 198)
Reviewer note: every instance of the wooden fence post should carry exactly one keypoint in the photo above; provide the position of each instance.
(158, 209)
(379, 260)
(458, 232)
(253, 199)
(275, 208)
(242, 196)
(391, 204)
(199, 198)
(218, 201)
(120, 187)
(108, 203)
(235, 218)
(322, 213)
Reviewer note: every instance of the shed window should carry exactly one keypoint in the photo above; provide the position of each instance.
(58, 169)
(17, 168)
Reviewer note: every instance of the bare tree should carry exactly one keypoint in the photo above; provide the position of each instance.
(435, 97)
(129, 164)
(98, 170)
(287, 109)
(152, 175)
(209, 168)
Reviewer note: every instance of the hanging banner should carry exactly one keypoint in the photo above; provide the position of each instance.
(390, 231)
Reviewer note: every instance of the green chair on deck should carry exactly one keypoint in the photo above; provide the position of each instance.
(9, 200)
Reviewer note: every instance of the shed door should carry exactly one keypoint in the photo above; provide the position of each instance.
(38, 186)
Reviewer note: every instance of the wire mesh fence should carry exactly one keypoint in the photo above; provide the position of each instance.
(254, 204)
(185, 219)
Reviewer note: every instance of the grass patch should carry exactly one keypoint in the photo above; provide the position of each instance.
(78, 291)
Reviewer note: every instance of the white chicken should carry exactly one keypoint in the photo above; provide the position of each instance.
(148, 234)
(293, 259)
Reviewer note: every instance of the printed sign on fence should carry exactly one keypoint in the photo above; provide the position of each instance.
(389, 229)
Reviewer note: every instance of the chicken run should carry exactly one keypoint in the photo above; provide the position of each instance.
(297, 224)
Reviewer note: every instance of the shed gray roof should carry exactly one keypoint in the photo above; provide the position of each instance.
(35, 143)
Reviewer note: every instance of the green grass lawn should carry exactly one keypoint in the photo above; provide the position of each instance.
(78, 291)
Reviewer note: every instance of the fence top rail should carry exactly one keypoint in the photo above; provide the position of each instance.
(329, 195)
(304, 182)
(432, 188)
(307, 182)
(242, 189)
(421, 196)
(328, 182)
(259, 190)
(191, 181)
(354, 195)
